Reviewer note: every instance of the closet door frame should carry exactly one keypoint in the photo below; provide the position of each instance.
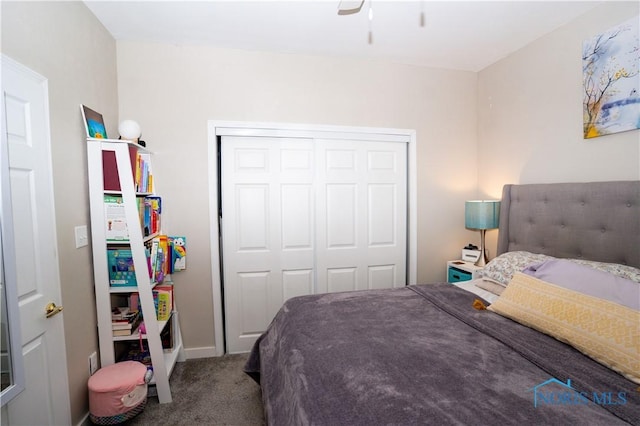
(217, 129)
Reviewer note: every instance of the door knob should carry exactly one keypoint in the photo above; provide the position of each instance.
(51, 309)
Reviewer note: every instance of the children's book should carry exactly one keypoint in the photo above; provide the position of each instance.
(121, 270)
(178, 254)
(163, 294)
(155, 210)
(116, 221)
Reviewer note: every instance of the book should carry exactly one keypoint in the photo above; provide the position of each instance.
(163, 296)
(153, 255)
(119, 333)
(163, 244)
(128, 326)
(157, 258)
(110, 175)
(93, 123)
(178, 250)
(121, 269)
(116, 221)
(166, 337)
(155, 206)
(122, 327)
(134, 301)
(123, 324)
(150, 215)
(142, 173)
(122, 314)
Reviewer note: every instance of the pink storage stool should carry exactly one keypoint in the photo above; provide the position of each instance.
(118, 392)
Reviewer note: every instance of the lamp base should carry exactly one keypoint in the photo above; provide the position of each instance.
(483, 259)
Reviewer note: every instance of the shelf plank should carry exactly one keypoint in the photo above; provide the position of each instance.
(138, 194)
(127, 242)
(127, 289)
(122, 141)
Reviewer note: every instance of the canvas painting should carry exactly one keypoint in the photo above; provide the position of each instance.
(611, 80)
(94, 124)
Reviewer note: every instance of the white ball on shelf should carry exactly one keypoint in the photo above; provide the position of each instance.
(129, 129)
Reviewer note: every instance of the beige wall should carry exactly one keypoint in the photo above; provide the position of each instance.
(530, 113)
(173, 90)
(65, 43)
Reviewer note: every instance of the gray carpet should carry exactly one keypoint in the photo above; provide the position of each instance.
(209, 391)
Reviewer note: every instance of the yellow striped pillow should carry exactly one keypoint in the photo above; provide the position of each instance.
(604, 330)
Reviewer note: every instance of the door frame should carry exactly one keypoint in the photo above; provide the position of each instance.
(217, 129)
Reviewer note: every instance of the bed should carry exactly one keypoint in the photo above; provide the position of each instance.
(432, 353)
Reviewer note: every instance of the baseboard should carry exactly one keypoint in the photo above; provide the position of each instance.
(204, 352)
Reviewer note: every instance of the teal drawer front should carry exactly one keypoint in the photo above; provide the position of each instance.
(456, 275)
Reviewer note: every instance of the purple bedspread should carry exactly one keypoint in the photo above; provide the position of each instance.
(423, 355)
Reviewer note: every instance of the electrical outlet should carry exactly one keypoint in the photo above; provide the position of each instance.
(93, 363)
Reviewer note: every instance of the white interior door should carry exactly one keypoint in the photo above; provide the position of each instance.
(45, 400)
(361, 215)
(303, 216)
(268, 235)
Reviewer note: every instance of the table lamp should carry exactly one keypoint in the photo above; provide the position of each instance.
(482, 215)
(129, 130)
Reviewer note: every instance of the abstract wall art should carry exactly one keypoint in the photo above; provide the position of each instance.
(611, 81)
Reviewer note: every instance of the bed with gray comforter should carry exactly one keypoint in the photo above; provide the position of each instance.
(424, 355)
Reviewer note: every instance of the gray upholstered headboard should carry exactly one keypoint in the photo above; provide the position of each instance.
(594, 221)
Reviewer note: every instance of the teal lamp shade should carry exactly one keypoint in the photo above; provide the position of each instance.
(482, 215)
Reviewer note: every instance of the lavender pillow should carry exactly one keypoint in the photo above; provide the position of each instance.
(586, 280)
(624, 271)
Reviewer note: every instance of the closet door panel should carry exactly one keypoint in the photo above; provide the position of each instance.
(361, 222)
(340, 211)
(267, 231)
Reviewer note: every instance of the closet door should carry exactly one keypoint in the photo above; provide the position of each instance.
(267, 231)
(303, 216)
(361, 210)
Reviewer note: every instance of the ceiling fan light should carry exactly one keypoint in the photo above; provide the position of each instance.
(349, 7)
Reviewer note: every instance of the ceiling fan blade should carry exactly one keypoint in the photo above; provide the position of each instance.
(349, 7)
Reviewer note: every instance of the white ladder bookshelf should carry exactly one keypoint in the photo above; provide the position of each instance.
(163, 362)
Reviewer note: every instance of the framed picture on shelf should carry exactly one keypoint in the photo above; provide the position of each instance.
(93, 123)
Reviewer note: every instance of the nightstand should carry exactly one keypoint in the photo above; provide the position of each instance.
(458, 270)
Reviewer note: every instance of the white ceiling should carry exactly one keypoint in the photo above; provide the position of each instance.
(462, 35)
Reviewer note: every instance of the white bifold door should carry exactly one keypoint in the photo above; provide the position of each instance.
(307, 216)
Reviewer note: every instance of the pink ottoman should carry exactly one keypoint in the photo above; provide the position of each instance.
(117, 392)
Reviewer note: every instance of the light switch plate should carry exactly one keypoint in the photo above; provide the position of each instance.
(82, 238)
